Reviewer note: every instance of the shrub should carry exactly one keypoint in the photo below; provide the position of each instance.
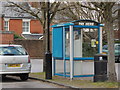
(17, 37)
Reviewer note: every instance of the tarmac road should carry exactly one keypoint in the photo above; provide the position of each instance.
(15, 82)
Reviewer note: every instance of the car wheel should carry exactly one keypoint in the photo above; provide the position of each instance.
(24, 77)
(119, 59)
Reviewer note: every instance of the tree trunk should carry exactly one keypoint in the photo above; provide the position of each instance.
(44, 45)
(110, 39)
(119, 21)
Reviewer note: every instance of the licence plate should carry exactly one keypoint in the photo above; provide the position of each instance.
(14, 65)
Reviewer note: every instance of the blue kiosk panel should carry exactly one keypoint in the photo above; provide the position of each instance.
(58, 42)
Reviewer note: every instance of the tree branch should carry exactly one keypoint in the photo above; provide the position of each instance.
(26, 10)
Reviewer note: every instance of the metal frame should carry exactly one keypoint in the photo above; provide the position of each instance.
(71, 58)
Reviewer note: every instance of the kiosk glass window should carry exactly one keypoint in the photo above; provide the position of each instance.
(85, 42)
(90, 42)
(77, 42)
(67, 42)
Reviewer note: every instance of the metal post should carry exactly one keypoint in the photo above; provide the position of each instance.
(81, 42)
(64, 61)
(48, 55)
(100, 39)
(53, 66)
(71, 52)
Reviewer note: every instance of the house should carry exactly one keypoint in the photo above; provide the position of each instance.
(22, 24)
(27, 27)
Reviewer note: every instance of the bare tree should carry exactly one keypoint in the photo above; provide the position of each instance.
(101, 12)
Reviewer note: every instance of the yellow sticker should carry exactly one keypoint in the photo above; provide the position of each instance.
(96, 42)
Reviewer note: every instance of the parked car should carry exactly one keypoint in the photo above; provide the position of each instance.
(117, 51)
(14, 60)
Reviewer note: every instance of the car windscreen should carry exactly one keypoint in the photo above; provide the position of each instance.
(12, 50)
(105, 47)
(117, 47)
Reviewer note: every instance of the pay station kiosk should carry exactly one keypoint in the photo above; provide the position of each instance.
(74, 45)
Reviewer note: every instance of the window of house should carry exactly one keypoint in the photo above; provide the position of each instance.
(26, 26)
(6, 24)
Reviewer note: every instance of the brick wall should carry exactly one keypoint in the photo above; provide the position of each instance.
(15, 25)
(34, 47)
(6, 37)
(35, 26)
